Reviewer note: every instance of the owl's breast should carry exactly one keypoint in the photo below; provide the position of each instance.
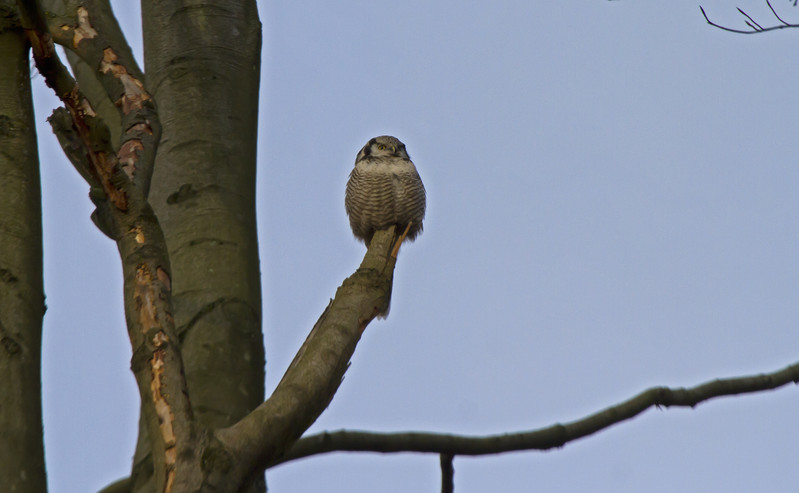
(380, 194)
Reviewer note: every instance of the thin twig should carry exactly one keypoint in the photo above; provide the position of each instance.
(759, 27)
(777, 15)
(755, 27)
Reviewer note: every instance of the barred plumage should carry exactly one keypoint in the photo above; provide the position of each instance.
(384, 189)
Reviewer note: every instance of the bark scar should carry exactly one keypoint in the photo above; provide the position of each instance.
(134, 96)
(145, 299)
(163, 409)
(84, 29)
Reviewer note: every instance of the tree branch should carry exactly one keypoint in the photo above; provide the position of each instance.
(755, 27)
(447, 474)
(157, 363)
(317, 370)
(88, 32)
(124, 485)
(101, 160)
(553, 436)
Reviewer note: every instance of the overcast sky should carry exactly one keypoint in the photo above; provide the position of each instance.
(612, 205)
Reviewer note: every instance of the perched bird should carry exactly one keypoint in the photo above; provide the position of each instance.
(384, 189)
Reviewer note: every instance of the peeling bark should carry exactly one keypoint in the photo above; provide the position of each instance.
(143, 251)
(81, 28)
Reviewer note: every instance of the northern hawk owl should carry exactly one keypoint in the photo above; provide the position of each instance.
(384, 189)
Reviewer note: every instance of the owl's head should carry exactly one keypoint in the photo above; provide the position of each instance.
(383, 146)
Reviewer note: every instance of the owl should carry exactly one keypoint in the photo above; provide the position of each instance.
(384, 189)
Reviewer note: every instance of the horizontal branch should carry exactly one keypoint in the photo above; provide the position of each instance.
(553, 436)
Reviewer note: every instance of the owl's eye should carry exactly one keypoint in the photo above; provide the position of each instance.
(381, 146)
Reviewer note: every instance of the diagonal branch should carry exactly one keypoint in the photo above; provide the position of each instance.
(755, 27)
(754, 24)
(553, 436)
(156, 362)
(776, 14)
(318, 368)
(88, 32)
(235, 455)
(101, 162)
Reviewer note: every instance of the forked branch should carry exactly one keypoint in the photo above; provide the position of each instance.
(754, 27)
(156, 360)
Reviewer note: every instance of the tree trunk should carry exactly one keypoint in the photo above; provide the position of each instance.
(21, 291)
(202, 64)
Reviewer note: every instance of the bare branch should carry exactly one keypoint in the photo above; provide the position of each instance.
(752, 26)
(124, 485)
(88, 34)
(156, 362)
(447, 474)
(101, 162)
(313, 377)
(755, 27)
(553, 436)
(768, 2)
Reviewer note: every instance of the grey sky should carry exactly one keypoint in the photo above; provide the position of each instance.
(612, 205)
